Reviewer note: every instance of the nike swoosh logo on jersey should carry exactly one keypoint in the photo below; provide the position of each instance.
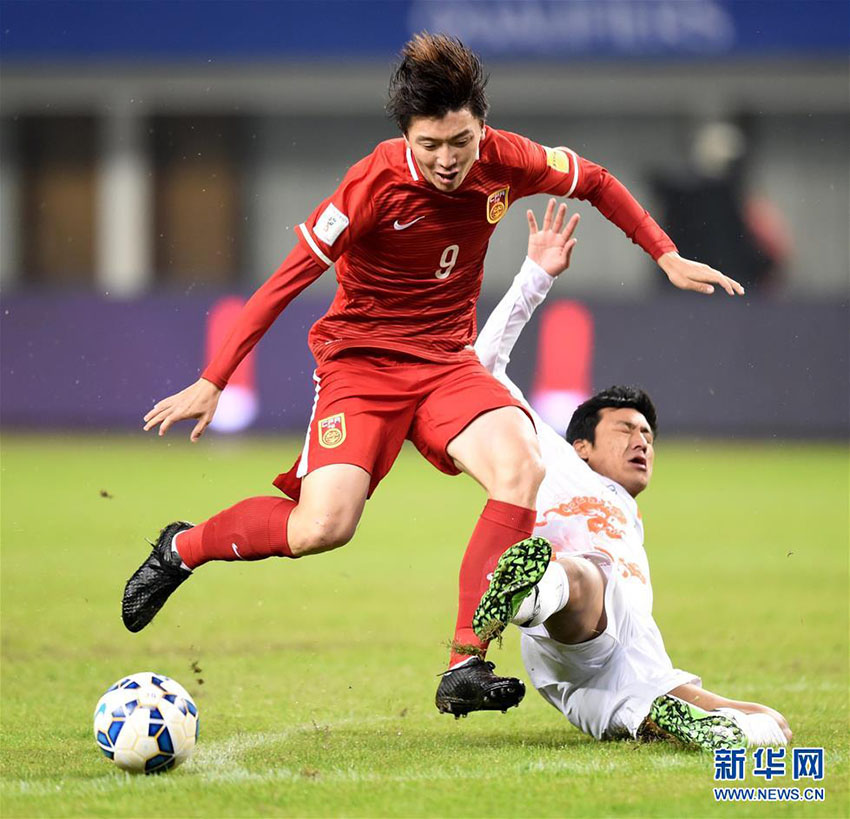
(399, 226)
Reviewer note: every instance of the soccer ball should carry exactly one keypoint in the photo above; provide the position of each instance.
(146, 723)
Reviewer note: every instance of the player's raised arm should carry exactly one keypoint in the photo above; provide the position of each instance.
(322, 238)
(614, 201)
(199, 400)
(561, 171)
(549, 253)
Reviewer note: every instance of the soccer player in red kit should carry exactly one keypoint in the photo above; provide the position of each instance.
(407, 231)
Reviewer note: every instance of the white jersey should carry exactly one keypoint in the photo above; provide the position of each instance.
(578, 510)
(605, 686)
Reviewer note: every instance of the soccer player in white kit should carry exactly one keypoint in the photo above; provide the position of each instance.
(589, 642)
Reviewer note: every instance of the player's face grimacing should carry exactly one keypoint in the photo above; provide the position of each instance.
(445, 147)
(622, 449)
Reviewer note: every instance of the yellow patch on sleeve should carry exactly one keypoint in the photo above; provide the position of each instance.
(557, 159)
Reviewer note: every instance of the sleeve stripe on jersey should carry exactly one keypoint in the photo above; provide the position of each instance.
(305, 232)
(412, 165)
(574, 160)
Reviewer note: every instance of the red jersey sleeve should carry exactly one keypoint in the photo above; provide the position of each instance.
(298, 270)
(322, 239)
(562, 172)
(614, 201)
(345, 215)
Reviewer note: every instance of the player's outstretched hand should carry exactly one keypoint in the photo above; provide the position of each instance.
(688, 275)
(552, 247)
(198, 400)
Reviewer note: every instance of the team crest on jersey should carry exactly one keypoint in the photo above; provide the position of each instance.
(557, 158)
(332, 430)
(497, 204)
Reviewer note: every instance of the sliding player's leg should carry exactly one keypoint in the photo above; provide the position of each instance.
(528, 589)
(568, 595)
(760, 724)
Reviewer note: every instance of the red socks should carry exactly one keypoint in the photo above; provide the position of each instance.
(499, 527)
(255, 528)
(251, 530)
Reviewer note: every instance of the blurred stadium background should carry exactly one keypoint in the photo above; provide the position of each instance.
(157, 155)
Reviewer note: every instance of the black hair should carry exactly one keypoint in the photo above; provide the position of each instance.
(437, 74)
(586, 417)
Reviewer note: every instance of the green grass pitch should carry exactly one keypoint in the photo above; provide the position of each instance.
(315, 679)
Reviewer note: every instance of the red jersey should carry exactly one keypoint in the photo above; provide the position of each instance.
(409, 258)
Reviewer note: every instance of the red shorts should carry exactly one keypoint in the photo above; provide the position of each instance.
(366, 405)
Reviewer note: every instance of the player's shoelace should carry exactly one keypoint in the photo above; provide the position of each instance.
(694, 726)
(518, 571)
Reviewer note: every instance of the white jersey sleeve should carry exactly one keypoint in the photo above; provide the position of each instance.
(494, 345)
(501, 331)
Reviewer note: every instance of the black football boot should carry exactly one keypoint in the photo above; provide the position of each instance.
(154, 581)
(474, 687)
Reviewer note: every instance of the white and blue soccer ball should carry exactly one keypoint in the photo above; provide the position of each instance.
(146, 723)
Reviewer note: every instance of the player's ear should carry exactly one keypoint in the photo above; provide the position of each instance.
(582, 447)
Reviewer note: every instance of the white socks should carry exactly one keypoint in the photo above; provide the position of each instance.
(551, 594)
(759, 728)
(174, 551)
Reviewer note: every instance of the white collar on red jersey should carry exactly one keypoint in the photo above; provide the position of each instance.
(412, 165)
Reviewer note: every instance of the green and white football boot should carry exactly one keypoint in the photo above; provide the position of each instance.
(694, 726)
(518, 571)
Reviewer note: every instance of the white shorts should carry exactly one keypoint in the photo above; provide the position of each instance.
(604, 687)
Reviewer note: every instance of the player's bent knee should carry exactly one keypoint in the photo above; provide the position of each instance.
(320, 536)
(536, 472)
(518, 480)
(586, 585)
